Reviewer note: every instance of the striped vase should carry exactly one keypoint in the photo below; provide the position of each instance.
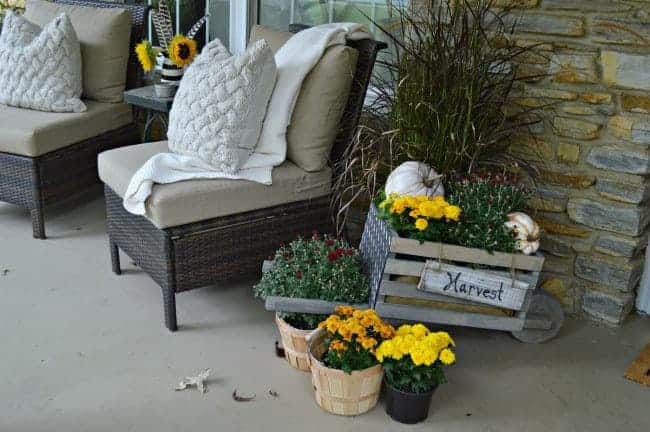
(171, 73)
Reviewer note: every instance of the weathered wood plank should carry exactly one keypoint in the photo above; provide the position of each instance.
(402, 289)
(287, 304)
(438, 316)
(404, 267)
(475, 285)
(463, 254)
(395, 266)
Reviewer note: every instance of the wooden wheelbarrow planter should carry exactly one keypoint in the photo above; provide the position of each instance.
(404, 273)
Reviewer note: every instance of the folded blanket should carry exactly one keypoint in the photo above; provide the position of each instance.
(294, 60)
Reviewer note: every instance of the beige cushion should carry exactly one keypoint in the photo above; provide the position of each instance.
(104, 34)
(321, 102)
(196, 200)
(33, 133)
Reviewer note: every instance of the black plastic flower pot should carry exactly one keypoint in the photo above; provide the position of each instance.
(408, 408)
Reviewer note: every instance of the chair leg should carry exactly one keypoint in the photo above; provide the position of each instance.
(115, 258)
(169, 305)
(38, 224)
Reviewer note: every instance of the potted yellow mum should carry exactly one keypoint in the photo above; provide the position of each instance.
(413, 362)
(345, 372)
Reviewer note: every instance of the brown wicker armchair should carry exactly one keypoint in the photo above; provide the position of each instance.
(194, 255)
(68, 174)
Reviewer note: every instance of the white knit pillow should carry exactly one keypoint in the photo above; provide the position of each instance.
(40, 69)
(220, 105)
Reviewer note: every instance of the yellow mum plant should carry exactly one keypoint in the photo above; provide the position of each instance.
(420, 217)
(352, 338)
(414, 357)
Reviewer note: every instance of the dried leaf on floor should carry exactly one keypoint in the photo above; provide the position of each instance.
(197, 381)
(239, 398)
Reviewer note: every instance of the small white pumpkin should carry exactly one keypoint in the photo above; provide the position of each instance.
(414, 178)
(526, 232)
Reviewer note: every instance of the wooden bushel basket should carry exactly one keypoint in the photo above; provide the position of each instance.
(338, 392)
(294, 342)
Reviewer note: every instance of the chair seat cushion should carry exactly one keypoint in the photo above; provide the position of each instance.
(34, 133)
(195, 200)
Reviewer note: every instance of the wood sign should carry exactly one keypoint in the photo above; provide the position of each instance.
(474, 285)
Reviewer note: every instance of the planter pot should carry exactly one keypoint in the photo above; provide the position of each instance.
(165, 90)
(408, 408)
(294, 342)
(170, 73)
(338, 392)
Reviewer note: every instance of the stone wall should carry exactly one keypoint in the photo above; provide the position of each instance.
(593, 146)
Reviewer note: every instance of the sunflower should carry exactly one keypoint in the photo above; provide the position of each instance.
(181, 50)
(146, 55)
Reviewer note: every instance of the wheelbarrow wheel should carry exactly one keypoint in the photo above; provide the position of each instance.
(543, 306)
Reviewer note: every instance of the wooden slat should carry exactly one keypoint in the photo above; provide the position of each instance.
(474, 285)
(438, 316)
(395, 266)
(401, 289)
(463, 254)
(286, 304)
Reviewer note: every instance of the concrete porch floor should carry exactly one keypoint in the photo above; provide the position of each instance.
(85, 350)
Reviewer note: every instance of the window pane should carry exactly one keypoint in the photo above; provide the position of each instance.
(220, 20)
(280, 13)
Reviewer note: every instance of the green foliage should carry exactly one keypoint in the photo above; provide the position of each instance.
(403, 375)
(485, 204)
(318, 268)
(348, 360)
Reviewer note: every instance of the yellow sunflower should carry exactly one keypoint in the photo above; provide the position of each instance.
(146, 55)
(181, 50)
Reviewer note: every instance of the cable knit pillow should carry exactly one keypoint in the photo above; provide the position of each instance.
(220, 105)
(40, 69)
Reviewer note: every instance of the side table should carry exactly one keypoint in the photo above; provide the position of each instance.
(156, 108)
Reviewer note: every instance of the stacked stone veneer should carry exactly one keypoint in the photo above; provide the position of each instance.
(592, 146)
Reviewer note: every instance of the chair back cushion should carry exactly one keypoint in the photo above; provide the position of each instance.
(320, 104)
(104, 34)
(40, 69)
(220, 105)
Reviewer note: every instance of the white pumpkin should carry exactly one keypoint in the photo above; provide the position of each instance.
(414, 178)
(526, 232)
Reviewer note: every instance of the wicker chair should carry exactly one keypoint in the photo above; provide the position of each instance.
(68, 174)
(198, 254)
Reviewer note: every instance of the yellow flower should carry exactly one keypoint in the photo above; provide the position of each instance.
(345, 331)
(146, 56)
(452, 212)
(181, 50)
(421, 224)
(414, 213)
(419, 330)
(367, 342)
(338, 345)
(447, 356)
(344, 310)
(386, 331)
(403, 330)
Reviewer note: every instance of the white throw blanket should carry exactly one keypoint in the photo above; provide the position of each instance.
(294, 60)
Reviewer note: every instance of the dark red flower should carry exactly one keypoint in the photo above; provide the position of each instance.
(298, 274)
(329, 242)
